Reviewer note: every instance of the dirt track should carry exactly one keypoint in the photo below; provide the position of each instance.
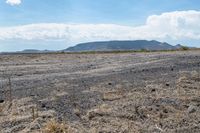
(124, 92)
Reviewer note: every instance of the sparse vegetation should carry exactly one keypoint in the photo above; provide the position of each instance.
(125, 92)
(144, 50)
(34, 112)
(184, 48)
(1, 109)
(113, 95)
(53, 126)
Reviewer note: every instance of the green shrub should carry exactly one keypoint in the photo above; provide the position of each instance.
(184, 48)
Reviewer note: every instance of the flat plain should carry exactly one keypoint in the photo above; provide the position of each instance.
(100, 93)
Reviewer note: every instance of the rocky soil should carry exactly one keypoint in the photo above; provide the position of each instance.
(101, 93)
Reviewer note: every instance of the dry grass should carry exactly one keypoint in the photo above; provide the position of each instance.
(53, 126)
(113, 95)
(1, 109)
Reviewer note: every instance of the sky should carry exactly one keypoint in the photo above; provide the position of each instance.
(58, 24)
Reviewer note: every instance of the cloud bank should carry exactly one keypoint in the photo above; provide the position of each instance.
(174, 26)
(13, 2)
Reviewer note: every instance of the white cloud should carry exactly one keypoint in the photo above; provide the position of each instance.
(177, 26)
(13, 2)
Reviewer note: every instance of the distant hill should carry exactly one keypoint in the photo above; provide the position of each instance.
(30, 51)
(110, 46)
(34, 51)
(121, 45)
(178, 46)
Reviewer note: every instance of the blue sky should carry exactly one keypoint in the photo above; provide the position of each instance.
(129, 12)
(72, 15)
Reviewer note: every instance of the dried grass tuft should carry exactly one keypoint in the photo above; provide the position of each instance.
(53, 126)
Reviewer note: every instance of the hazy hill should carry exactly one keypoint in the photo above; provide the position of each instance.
(121, 45)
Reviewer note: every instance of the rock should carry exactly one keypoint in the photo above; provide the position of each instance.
(35, 126)
(165, 111)
(1, 100)
(91, 114)
(95, 113)
(109, 83)
(19, 74)
(43, 105)
(191, 109)
(168, 101)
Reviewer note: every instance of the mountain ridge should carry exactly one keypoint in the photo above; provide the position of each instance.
(115, 45)
(121, 45)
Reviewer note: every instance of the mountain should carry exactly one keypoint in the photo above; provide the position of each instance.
(34, 51)
(121, 45)
(178, 46)
(30, 51)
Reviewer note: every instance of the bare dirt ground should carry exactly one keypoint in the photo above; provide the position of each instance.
(101, 93)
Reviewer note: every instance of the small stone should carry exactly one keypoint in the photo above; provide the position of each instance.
(167, 84)
(165, 111)
(19, 74)
(35, 127)
(43, 105)
(91, 115)
(192, 109)
(109, 83)
(1, 100)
